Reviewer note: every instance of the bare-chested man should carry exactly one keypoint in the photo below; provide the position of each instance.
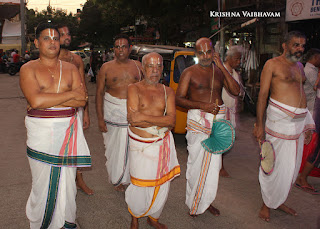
(111, 104)
(66, 55)
(286, 121)
(55, 140)
(153, 158)
(199, 88)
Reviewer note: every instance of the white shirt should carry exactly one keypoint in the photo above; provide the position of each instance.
(311, 73)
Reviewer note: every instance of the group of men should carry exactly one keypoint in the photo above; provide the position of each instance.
(136, 114)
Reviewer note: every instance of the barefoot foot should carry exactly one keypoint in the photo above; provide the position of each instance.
(120, 188)
(224, 173)
(214, 211)
(264, 213)
(288, 210)
(82, 185)
(302, 182)
(134, 223)
(156, 224)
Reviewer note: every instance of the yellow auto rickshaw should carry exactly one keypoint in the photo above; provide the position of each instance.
(175, 60)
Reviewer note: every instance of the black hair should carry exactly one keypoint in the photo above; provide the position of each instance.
(311, 53)
(292, 34)
(61, 25)
(124, 36)
(44, 26)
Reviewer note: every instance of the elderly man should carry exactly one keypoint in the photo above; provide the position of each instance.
(55, 142)
(66, 55)
(286, 122)
(233, 103)
(111, 105)
(199, 88)
(153, 159)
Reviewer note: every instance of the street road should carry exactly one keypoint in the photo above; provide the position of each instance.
(238, 198)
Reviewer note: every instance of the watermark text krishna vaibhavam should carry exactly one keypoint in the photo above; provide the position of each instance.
(244, 14)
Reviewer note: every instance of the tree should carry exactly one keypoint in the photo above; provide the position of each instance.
(174, 18)
(34, 18)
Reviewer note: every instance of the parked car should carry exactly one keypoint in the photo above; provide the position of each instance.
(85, 58)
(175, 60)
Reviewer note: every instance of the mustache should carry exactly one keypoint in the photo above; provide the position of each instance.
(205, 60)
(297, 53)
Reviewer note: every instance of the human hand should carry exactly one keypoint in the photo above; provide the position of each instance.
(133, 116)
(212, 108)
(86, 120)
(80, 94)
(308, 137)
(102, 126)
(217, 60)
(258, 132)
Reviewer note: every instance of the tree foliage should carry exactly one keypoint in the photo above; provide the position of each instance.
(174, 18)
(101, 20)
(35, 18)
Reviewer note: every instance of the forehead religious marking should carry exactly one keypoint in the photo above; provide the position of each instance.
(120, 42)
(204, 48)
(51, 33)
(155, 60)
(64, 31)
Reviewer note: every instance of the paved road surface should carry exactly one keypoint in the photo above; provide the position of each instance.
(238, 198)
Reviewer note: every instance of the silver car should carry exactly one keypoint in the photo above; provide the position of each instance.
(85, 58)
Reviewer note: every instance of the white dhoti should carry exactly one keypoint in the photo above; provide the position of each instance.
(153, 164)
(203, 167)
(285, 127)
(55, 147)
(116, 140)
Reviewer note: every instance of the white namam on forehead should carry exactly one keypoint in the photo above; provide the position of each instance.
(52, 33)
(204, 48)
(64, 31)
(120, 42)
(153, 59)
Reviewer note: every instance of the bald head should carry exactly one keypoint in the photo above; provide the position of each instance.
(152, 65)
(204, 51)
(202, 42)
(153, 57)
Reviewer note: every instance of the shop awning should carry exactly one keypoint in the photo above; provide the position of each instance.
(9, 8)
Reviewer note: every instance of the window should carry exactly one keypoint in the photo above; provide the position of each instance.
(182, 62)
